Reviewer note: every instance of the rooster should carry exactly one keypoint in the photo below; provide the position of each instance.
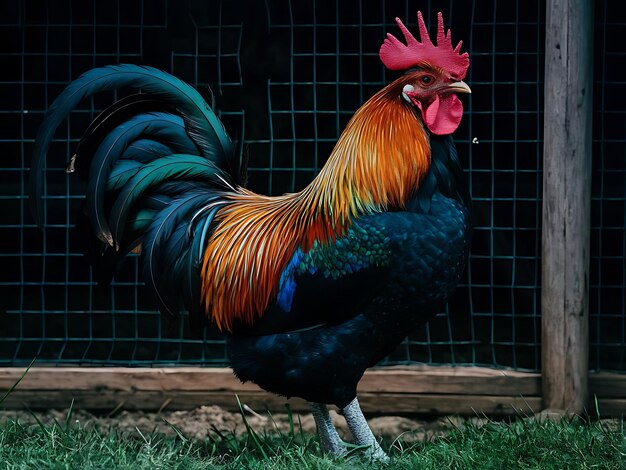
(309, 288)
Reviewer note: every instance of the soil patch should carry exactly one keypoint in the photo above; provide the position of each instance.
(198, 423)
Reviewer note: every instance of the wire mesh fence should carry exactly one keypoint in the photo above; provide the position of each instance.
(608, 203)
(286, 77)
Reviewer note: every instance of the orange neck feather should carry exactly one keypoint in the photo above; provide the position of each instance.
(377, 163)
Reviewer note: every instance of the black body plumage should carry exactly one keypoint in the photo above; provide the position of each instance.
(338, 322)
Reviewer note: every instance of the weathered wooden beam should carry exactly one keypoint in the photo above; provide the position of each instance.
(607, 385)
(371, 403)
(390, 390)
(609, 408)
(446, 380)
(413, 390)
(566, 203)
(453, 404)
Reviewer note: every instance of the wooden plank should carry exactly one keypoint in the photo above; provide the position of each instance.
(566, 212)
(463, 380)
(607, 385)
(371, 403)
(147, 400)
(126, 379)
(463, 390)
(451, 380)
(470, 405)
(610, 408)
(406, 390)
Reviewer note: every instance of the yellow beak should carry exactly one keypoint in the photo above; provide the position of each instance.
(459, 87)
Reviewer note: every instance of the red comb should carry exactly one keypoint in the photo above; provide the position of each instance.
(396, 56)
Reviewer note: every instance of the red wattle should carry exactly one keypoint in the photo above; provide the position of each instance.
(443, 115)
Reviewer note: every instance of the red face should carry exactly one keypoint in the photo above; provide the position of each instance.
(433, 92)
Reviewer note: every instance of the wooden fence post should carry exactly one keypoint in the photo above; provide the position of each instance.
(566, 203)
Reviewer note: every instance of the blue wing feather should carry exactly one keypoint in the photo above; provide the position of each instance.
(147, 150)
(165, 258)
(154, 174)
(166, 128)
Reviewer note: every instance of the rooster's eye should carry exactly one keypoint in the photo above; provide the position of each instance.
(426, 79)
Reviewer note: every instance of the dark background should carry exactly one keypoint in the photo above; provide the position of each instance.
(286, 76)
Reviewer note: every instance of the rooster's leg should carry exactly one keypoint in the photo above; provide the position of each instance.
(361, 431)
(330, 440)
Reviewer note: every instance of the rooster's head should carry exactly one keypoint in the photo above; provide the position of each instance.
(433, 74)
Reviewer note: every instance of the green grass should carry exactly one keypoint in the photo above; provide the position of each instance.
(526, 443)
